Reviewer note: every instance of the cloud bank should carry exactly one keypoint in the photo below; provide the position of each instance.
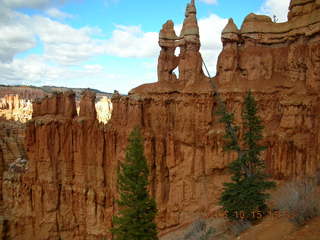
(209, 1)
(278, 8)
(65, 50)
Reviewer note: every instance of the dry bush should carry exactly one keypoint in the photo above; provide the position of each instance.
(300, 199)
(237, 227)
(199, 231)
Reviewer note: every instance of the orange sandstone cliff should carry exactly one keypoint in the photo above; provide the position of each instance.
(68, 188)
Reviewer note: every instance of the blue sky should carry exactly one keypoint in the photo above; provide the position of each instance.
(105, 44)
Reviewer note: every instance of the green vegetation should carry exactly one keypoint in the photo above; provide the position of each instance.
(245, 198)
(137, 209)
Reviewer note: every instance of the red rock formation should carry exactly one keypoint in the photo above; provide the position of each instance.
(69, 189)
(11, 149)
(167, 61)
(189, 62)
(62, 104)
(24, 92)
(11, 141)
(2, 169)
(280, 63)
(276, 62)
(87, 105)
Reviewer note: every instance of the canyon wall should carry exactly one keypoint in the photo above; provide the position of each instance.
(68, 187)
(12, 151)
(66, 190)
(16, 101)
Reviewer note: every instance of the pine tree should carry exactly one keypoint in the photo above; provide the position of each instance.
(136, 218)
(245, 197)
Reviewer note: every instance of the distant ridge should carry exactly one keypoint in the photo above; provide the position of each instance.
(32, 92)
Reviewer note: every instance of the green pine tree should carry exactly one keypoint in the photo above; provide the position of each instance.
(136, 218)
(245, 197)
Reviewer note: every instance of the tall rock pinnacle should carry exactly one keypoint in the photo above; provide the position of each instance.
(190, 24)
(189, 61)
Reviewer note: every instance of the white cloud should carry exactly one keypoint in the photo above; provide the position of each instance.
(210, 36)
(209, 1)
(279, 8)
(34, 70)
(53, 32)
(131, 41)
(64, 44)
(65, 47)
(94, 67)
(56, 13)
(31, 70)
(15, 36)
(13, 40)
(30, 3)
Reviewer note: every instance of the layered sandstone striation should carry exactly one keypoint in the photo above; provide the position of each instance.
(69, 188)
(11, 149)
(61, 104)
(12, 135)
(24, 92)
(280, 63)
(87, 105)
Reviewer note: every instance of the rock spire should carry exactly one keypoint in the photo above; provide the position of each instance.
(188, 62)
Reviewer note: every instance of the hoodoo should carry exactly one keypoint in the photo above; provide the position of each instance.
(68, 189)
(189, 62)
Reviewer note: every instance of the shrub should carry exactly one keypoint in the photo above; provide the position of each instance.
(300, 199)
(199, 230)
(237, 227)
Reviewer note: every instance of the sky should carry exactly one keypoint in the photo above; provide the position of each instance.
(106, 44)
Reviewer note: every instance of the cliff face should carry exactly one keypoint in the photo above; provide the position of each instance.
(69, 187)
(280, 63)
(66, 190)
(11, 153)
(12, 135)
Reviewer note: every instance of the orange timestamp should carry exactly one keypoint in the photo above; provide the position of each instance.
(254, 214)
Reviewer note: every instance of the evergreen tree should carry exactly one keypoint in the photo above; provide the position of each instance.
(136, 218)
(245, 197)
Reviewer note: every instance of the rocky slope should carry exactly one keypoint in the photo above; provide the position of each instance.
(69, 188)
